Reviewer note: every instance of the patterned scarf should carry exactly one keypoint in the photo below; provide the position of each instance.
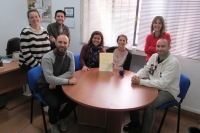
(93, 53)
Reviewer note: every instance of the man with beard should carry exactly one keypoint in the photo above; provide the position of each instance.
(162, 72)
(58, 28)
(57, 69)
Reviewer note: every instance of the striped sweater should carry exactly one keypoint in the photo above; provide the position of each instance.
(33, 46)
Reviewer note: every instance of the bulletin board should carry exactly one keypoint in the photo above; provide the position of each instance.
(43, 7)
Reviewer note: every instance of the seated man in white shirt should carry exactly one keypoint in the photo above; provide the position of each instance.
(162, 72)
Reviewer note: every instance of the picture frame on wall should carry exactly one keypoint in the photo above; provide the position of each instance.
(69, 12)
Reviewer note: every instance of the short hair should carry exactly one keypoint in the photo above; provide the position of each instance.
(32, 10)
(163, 38)
(61, 11)
(122, 35)
(162, 30)
(97, 33)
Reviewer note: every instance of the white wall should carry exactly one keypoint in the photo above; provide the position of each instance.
(13, 19)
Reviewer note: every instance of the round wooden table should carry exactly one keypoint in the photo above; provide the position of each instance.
(111, 92)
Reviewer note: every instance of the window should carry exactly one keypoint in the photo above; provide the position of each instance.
(111, 17)
(114, 17)
(182, 19)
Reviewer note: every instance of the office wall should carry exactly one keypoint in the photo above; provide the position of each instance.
(13, 20)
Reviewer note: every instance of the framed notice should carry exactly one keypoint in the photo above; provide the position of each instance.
(69, 11)
(43, 7)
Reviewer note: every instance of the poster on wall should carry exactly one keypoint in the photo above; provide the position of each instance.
(43, 7)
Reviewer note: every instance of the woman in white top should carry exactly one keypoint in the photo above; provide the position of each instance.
(121, 56)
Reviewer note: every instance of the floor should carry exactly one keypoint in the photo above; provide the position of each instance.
(16, 120)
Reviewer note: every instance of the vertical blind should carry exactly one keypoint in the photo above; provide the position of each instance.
(111, 17)
(182, 18)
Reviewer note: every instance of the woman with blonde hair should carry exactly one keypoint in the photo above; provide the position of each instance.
(157, 31)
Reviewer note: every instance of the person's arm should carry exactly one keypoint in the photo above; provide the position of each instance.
(69, 73)
(149, 49)
(51, 37)
(167, 78)
(26, 52)
(50, 31)
(47, 68)
(103, 50)
(83, 55)
(127, 62)
(68, 34)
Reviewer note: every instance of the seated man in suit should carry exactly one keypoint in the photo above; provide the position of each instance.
(57, 69)
(163, 72)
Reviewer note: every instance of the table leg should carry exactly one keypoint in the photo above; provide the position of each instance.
(114, 121)
(90, 116)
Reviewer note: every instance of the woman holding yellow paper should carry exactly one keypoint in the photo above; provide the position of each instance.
(89, 56)
(121, 56)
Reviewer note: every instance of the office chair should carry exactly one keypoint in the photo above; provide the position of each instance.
(33, 76)
(184, 86)
(13, 45)
(77, 62)
(193, 130)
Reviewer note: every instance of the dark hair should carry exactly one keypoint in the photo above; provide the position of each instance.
(32, 10)
(122, 35)
(163, 38)
(162, 30)
(97, 33)
(61, 11)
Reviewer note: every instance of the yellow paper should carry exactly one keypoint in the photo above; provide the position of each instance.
(105, 63)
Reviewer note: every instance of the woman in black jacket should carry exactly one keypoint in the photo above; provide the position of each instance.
(121, 56)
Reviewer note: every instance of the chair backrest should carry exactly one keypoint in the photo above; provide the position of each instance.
(13, 45)
(33, 76)
(184, 85)
(77, 62)
(111, 49)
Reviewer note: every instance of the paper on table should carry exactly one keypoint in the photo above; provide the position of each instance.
(105, 63)
(7, 60)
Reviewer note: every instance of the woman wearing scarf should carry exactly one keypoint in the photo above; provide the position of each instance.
(89, 56)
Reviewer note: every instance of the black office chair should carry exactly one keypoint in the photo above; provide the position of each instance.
(193, 130)
(13, 45)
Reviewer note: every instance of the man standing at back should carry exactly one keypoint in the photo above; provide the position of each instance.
(57, 28)
(57, 69)
(162, 72)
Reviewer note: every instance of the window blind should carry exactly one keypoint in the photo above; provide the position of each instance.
(182, 18)
(111, 17)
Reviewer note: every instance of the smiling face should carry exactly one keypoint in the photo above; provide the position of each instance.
(62, 43)
(96, 40)
(34, 19)
(162, 48)
(121, 41)
(157, 25)
(60, 18)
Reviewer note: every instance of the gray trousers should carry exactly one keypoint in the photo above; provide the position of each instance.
(150, 111)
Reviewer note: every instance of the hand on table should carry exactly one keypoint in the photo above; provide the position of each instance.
(72, 81)
(85, 69)
(135, 80)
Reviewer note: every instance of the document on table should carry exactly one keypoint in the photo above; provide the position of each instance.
(105, 62)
